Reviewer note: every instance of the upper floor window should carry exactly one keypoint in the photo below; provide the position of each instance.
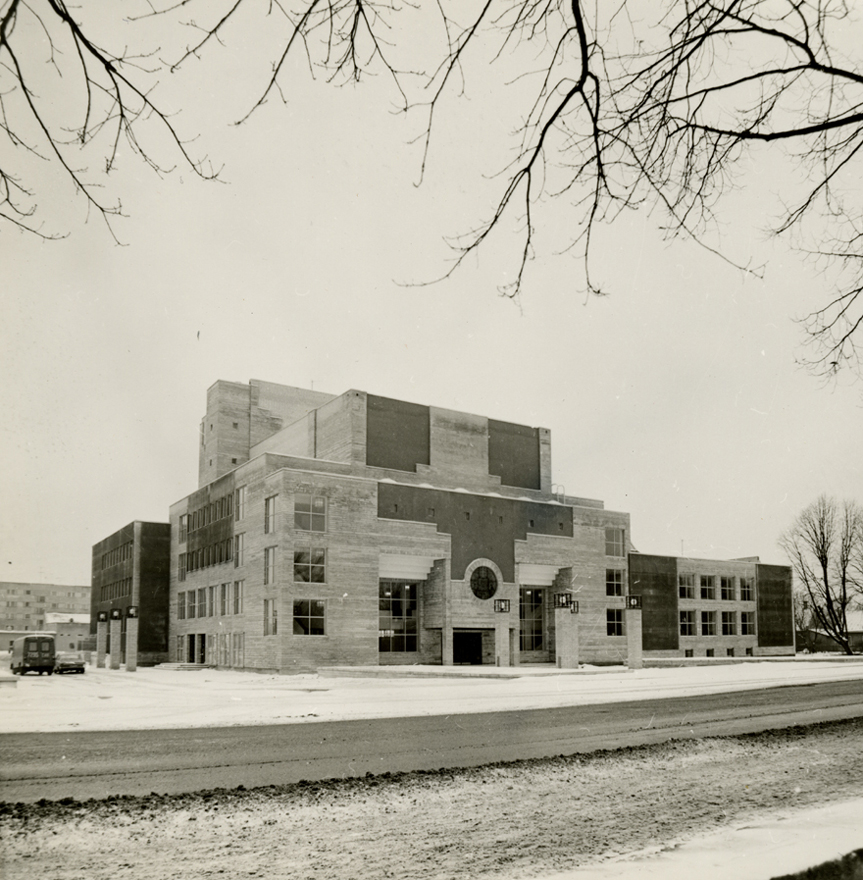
(269, 565)
(239, 550)
(240, 503)
(310, 512)
(270, 514)
(271, 620)
(726, 588)
(184, 526)
(708, 586)
(239, 589)
(614, 621)
(747, 623)
(613, 582)
(687, 623)
(310, 617)
(614, 542)
(729, 623)
(310, 565)
(686, 586)
(747, 593)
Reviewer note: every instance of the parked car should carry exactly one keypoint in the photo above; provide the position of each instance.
(69, 661)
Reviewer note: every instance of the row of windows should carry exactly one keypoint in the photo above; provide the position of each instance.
(211, 601)
(728, 587)
(309, 617)
(204, 557)
(116, 590)
(118, 554)
(221, 508)
(728, 623)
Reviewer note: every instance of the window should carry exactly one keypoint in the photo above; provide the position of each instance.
(397, 616)
(708, 586)
(747, 623)
(202, 602)
(269, 565)
(181, 606)
(310, 565)
(709, 652)
(483, 582)
(729, 652)
(614, 542)
(191, 609)
(238, 596)
(239, 550)
(310, 512)
(726, 588)
(271, 620)
(211, 601)
(614, 621)
(729, 623)
(687, 623)
(686, 586)
(309, 617)
(746, 589)
(225, 599)
(708, 623)
(184, 527)
(613, 582)
(240, 503)
(689, 653)
(530, 607)
(270, 515)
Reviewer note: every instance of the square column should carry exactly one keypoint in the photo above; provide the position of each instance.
(116, 637)
(101, 639)
(566, 638)
(632, 627)
(131, 638)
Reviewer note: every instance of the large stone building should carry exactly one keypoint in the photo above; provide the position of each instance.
(23, 607)
(130, 569)
(355, 529)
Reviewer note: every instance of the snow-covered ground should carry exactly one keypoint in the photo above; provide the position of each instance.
(105, 699)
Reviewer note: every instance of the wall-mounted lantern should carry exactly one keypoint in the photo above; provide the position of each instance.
(501, 605)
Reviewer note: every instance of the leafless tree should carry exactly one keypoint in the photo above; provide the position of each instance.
(825, 548)
(636, 104)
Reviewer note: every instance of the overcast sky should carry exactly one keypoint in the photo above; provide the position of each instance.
(676, 398)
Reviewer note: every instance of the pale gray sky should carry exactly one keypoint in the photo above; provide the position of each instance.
(676, 398)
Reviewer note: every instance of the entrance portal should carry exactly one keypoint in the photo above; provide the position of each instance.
(467, 648)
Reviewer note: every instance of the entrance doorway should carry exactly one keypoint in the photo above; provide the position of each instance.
(467, 648)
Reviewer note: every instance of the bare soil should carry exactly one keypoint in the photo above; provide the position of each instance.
(504, 821)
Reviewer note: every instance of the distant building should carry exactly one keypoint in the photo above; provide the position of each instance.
(131, 568)
(357, 529)
(814, 639)
(72, 630)
(23, 607)
(712, 608)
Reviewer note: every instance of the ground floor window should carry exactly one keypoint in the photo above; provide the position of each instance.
(530, 614)
(398, 613)
(614, 621)
(708, 623)
(310, 617)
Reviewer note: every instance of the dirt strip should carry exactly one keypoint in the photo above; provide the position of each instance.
(500, 821)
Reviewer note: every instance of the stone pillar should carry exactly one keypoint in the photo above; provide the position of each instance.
(131, 639)
(501, 641)
(116, 639)
(101, 640)
(632, 627)
(446, 628)
(565, 638)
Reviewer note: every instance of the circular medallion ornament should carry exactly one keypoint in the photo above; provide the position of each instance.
(483, 582)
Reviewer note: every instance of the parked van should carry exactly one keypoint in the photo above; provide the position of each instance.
(34, 652)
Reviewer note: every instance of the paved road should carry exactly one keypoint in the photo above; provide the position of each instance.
(97, 764)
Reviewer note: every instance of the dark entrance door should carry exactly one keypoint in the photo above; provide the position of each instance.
(467, 648)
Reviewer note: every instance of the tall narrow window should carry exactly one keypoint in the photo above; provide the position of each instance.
(747, 623)
(708, 623)
(530, 614)
(613, 582)
(614, 542)
(269, 515)
(211, 601)
(269, 565)
(239, 550)
(310, 512)
(181, 567)
(191, 604)
(708, 586)
(686, 586)
(202, 602)
(397, 616)
(726, 588)
(181, 606)
(239, 587)
(240, 503)
(271, 620)
(184, 527)
(747, 592)
(225, 599)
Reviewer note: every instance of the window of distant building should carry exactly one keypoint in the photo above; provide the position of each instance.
(614, 621)
(310, 617)
(614, 542)
(708, 586)
(310, 512)
(310, 565)
(613, 582)
(686, 586)
(687, 623)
